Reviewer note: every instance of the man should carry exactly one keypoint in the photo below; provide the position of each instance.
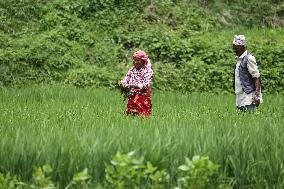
(247, 77)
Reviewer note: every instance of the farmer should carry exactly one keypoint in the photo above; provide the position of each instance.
(246, 77)
(137, 83)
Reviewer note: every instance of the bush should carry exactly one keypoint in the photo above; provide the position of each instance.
(125, 171)
(89, 42)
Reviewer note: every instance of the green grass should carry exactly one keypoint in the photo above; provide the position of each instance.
(71, 129)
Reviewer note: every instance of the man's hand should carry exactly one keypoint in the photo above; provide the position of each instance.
(256, 99)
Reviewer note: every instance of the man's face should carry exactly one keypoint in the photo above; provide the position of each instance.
(238, 49)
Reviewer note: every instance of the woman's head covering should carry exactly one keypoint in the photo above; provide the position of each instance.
(143, 56)
(239, 40)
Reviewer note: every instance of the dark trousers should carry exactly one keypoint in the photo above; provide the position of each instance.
(247, 108)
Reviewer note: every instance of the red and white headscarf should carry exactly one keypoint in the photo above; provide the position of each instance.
(143, 56)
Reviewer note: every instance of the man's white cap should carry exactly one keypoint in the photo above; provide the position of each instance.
(239, 40)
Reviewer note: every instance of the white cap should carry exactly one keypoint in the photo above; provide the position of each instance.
(239, 40)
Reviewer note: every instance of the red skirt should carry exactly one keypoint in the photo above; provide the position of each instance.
(139, 102)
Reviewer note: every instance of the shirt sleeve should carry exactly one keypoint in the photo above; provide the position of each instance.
(252, 67)
(148, 77)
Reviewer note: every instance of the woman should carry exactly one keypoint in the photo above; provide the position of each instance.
(138, 84)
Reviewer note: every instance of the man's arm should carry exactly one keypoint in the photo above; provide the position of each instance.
(254, 71)
(257, 87)
(256, 99)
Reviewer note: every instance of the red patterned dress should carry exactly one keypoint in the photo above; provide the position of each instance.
(139, 98)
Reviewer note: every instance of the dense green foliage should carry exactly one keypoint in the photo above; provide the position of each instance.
(90, 42)
(73, 129)
(126, 172)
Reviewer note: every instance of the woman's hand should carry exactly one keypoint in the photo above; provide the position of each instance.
(124, 85)
(140, 86)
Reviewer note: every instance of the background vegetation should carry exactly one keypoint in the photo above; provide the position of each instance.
(90, 42)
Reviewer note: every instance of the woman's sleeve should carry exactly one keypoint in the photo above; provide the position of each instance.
(148, 77)
(125, 80)
(252, 67)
